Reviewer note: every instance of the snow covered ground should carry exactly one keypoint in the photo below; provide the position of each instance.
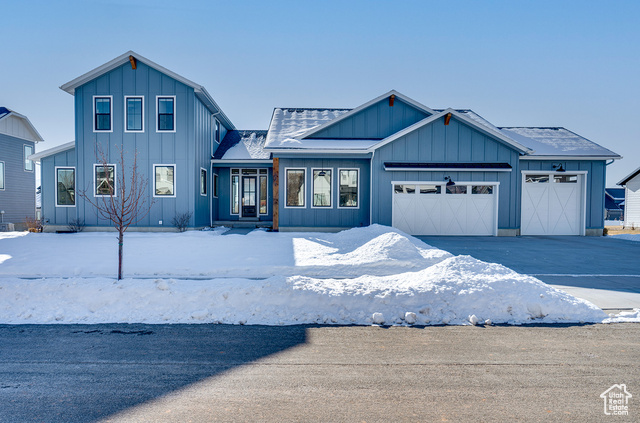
(373, 275)
(628, 237)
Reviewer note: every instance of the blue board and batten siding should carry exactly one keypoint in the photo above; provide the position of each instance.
(333, 217)
(188, 148)
(374, 122)
(596, 175)
(453, 143)
(52, 214)
(17, 199)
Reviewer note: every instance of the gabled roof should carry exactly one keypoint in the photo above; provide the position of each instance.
(200, 91)
(51, 151)
(629, 177)
(6, 113)
(289, 124)
(615, 193)
(242, 145)
(352, 112)
(557, 142)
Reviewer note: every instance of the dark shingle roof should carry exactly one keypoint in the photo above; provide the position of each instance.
(4, 111)
(253, 140)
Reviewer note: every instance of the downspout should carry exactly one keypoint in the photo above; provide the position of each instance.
(373, 154)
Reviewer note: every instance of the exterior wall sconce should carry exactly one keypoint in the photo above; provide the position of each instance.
(558, 167)
(449, 181)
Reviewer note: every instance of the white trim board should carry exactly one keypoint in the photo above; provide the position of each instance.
(444, 169)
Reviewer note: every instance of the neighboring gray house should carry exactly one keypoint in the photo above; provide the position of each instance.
(17, 172)
(391, 161)
(631, 184)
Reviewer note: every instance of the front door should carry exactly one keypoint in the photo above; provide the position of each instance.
(249, 208)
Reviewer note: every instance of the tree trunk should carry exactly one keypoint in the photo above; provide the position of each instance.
(120, 242)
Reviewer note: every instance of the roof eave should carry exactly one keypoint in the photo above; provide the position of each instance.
(51, 151)
(630, 176)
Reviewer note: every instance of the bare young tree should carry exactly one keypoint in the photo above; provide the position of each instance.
(124, 204)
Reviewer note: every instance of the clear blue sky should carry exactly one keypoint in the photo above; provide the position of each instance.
(517, 63)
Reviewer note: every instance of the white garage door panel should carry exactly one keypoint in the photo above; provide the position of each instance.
(552, 208)
(445, 214)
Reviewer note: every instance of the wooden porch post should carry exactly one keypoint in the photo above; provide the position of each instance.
(276, 192)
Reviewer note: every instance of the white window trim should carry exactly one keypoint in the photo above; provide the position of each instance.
(126, 113)
(304, 188)
(175, 178)
(231, 175)
(93, 116)
(175, 112)
(338, 189)
(259, 191)
(330, 206)
(115, 179)
(25, 158)
(4, 179)
(74, 183)
(205, 181)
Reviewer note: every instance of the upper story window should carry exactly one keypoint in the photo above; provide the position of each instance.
(102, 113)
(166, 119)
(28, 164)
(216, 132)
(133, 108)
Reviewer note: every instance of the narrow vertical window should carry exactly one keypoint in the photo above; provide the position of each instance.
(203, 181)
(216, 132)
(348, 188)
(65, 187)
(102, 113)
(215, 185)
(28, 164)
(235, 191)
(263, 194)
(321, 187)
(2, 175)
(104, 180)
(166, 114)
(164, 180)
(295, 187)
(134, 110)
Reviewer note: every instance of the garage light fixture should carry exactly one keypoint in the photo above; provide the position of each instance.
(449, 181)
(558, 167)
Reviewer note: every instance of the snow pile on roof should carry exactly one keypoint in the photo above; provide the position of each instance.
(248, 145)
(289, 124)
(475, 117)
(360, 276)
(556, 142)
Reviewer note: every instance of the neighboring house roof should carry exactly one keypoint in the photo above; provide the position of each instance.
(242, 145)
(199, 90)
(629, 177)
(615, 193)
(557, 142)
(51, 151)
(6, 127)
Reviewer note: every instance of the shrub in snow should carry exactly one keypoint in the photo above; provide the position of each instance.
(181, 221)
(76, 225)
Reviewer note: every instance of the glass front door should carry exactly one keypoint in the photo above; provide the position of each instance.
(249, 208)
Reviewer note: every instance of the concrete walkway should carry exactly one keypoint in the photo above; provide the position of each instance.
(603, 270)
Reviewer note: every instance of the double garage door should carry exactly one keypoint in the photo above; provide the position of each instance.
(426, 208)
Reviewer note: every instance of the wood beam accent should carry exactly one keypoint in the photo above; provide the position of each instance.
(391, 100)
(276, 192)
(447, 118)
(133, 62)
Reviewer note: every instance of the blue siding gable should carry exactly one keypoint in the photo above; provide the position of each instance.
(377, 121)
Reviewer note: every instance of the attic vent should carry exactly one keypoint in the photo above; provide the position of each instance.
(133, 62)
(391, 100)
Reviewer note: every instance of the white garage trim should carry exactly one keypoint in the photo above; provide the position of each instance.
(409, 225)
(582, 202)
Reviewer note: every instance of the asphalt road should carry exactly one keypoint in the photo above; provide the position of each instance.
(205, 373)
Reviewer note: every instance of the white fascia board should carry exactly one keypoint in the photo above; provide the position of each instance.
(443, 169)
(231, 161)
(51, 151)
(318, 151)
(364, 106)
(28, 122)
(630, 176)
(570, 158)
(521, 148)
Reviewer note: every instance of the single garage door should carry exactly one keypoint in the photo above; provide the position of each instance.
(427, 208)
(552, 204)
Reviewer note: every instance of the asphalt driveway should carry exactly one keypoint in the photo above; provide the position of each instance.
(603, 270)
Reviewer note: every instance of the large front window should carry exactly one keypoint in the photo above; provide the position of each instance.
(166, 114)
(164, 180)
(321, 187)
(104, 178)
(102, 113)
(28, 164)
(134, 110)
(65, 186)
(348, 188)
(295, 187)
